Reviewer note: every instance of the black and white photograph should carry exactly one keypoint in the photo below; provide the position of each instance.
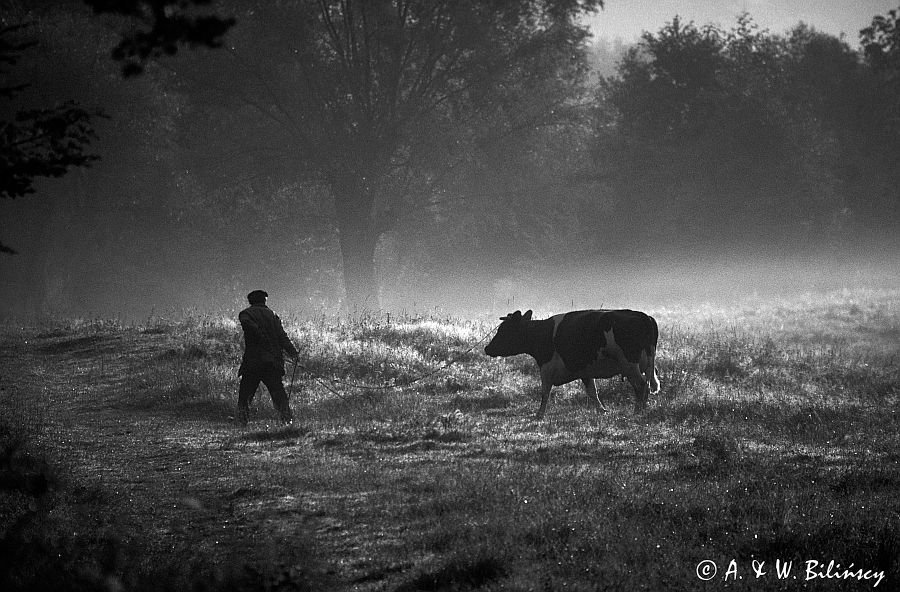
(449, 295)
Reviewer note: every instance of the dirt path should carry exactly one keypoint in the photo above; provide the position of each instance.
(167, 489)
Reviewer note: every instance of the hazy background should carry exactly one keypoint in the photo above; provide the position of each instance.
(700, 164)
(627, 19)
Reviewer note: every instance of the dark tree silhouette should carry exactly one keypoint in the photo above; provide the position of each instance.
(37, 142)
(165, 24)
(48, 142)
(881, 42)
(738, 136)
(881, 116)
(370, 95)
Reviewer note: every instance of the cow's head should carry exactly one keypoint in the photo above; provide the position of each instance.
(510, 337)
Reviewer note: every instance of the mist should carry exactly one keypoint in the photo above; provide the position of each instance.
(729, 179)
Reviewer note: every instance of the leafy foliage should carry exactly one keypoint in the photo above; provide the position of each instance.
(436, 139)
(36, 143)
(881, 47)
(881, 42)
(44, 143)
(741, 135)
(378, 101)
(168, 24)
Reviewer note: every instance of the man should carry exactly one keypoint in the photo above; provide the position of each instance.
(264, 341)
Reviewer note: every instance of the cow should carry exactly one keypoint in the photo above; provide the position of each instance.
(584, 344)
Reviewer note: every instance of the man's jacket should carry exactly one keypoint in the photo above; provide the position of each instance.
(264, 340)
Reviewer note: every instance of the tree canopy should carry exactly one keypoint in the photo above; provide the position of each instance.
(740, 135)
(377, 100)
(159, 27)
(356, 151)
(39, 141)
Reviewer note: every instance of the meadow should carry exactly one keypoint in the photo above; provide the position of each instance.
(770, 460)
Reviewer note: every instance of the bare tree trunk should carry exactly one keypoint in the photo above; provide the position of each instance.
(358, 257)
(358, 236)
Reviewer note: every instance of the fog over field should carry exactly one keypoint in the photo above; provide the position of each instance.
(704, 162)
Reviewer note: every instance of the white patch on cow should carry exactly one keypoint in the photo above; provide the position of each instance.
(557, 319)
(610, 361)
(647, 365)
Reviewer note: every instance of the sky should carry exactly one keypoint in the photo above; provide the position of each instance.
(627, 19)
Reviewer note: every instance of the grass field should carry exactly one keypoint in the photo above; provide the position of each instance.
(774, 443)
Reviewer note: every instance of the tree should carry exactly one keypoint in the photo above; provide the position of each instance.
(375, 98)
(733, 137)
(881, 47)
(50, 141)
(37, 142)
(881, 42)
(881, 118)
(163, 26)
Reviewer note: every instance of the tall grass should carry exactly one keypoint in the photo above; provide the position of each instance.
(775, 436)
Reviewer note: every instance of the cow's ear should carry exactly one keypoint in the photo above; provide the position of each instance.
(527, 316)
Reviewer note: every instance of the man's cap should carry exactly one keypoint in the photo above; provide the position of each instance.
(257, 297)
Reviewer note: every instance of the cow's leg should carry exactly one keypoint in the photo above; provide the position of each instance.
(641, 388)
(653, 382)
(648, 369)
(546, 387)
(590, 387)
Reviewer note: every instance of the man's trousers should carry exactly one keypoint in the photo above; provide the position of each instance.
(272, 379)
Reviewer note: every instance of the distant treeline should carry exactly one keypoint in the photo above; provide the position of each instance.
(226, 169)
(742, 136)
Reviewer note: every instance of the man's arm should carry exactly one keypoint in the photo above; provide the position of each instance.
(285, 341)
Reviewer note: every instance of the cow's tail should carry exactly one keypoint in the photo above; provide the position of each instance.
(651, 357)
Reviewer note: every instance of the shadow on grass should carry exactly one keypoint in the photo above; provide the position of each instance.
(563, 454)
(400, 442)
(807, 422)
(461, 573)
(874, 479)
(88, 346)
(276, 435)
(469, 404)
(873, 544)
(182, 401)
